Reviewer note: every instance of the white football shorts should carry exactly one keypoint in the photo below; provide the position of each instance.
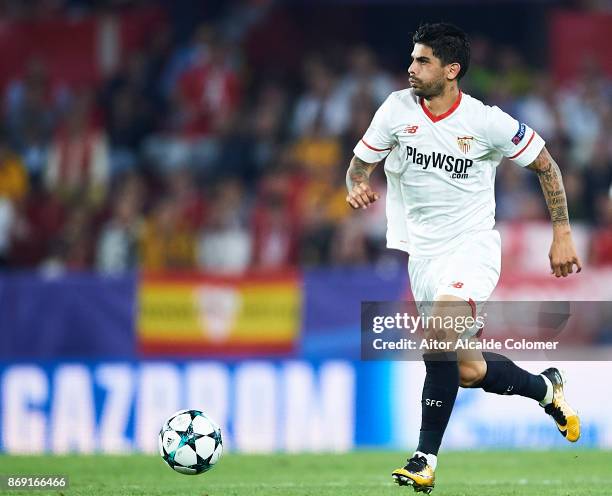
(469, 272)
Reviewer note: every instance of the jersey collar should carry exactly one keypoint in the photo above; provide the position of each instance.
(436, 118)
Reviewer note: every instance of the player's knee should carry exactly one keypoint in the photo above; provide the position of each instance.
(471, 373)
(447, 313)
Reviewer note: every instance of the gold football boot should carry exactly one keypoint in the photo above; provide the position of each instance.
(565, 417)
(417, 473)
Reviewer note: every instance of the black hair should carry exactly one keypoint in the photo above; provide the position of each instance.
(447, 42)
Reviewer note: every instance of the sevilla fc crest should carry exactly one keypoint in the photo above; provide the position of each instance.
(464, 143)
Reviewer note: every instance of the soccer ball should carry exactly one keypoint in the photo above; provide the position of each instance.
(190, 442)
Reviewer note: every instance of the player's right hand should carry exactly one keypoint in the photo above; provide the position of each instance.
(361, 196)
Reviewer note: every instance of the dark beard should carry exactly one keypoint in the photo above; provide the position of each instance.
(433, 89)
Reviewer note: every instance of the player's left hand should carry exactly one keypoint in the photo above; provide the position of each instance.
(563, 256)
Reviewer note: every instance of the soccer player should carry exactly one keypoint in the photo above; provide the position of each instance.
(441, 148)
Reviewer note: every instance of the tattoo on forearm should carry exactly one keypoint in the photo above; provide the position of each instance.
(556, 198)
(358, 172)
(552, 186)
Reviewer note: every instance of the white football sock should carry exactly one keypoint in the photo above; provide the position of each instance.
(432, 460)
(549, 391)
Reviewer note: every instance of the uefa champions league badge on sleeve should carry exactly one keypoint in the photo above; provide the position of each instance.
(520, 134)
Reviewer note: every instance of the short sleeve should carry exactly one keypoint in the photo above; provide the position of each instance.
(513, 139)
(377, 140)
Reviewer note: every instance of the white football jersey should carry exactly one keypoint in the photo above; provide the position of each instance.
(441, 169)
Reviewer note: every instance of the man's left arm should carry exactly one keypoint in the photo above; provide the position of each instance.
(562, 253)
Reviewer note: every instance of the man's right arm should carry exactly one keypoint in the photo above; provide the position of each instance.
(375, 145)
(360, 195)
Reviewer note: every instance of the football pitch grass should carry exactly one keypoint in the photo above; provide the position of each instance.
(571, 472)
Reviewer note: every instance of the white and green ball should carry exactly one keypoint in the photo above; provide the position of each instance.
(190, 442)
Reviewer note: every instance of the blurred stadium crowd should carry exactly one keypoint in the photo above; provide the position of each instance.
(188, 158)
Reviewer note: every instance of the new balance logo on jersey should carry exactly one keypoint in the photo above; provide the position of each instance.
(457, 166)
(410, 129)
